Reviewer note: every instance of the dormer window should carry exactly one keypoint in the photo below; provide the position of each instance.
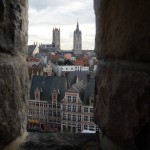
(37, 94)
(55, 93)
(54, 96)
(74, 99)
(91, 99)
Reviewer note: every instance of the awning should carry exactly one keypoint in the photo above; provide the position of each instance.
(33, 121)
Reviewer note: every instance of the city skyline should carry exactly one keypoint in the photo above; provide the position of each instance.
(46, 15)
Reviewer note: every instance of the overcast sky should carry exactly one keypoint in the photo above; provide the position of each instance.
(63, 14)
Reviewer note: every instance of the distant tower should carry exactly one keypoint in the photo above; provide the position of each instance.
(77, 41)
(56, 38)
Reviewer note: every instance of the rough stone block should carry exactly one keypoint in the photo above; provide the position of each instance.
(13, 98)
(123, 29)
(123, 102)
(13, 26)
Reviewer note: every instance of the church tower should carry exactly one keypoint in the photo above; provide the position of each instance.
(77, 41)
(56, 38)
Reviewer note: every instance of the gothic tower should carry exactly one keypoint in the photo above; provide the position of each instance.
(77, 41)
(56, 38)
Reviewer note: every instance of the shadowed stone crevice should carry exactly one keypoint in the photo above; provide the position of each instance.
(2, 7)
(143, 138)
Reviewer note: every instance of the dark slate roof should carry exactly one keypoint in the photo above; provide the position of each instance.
(47, 48)
(89, 89)
(82, 76)
(47, 84)
(31, 48)
(67, 52)
(78, 88)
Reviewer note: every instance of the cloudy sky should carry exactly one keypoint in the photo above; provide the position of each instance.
(63, 14)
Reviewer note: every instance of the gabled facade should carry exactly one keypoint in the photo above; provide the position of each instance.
(45, 112)
(76, 116)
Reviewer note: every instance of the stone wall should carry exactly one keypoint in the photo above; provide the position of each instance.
(13, 69)
(123, 75)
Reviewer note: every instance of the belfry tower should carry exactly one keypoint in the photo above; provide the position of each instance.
(77, 41)
(56, 38)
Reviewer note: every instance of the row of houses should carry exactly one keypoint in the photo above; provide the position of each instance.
(61, 104)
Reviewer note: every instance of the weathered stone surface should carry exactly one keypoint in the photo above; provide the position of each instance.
(123, 103)
(13, 98)
(13, 69)
(122, 29)
(123, 77)
(13, 26)
(57, 141)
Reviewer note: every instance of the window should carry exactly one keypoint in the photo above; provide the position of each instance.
(37, 103)
(74, 99)
(74, 109)
(85, 109)
(58, 114)
(41, 104)
(45, 112)
(79, 127)
(58, 105)
(85, 127)
(74, 117)
(37, 112)
(45, 104)
(79, 108)
(69, 107)
(69, 116)
(64, 116)
(91, 119)
(50, 113)
(97, 129)
(91, 128)
(54, 105)
(37, 95)
(91, 101)
(50, 105)
(54, 113)
(86, 118)
(69, 98)
(64, 107)
(91, 110)
(54, 96)
(79, 117)
(64, 128)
